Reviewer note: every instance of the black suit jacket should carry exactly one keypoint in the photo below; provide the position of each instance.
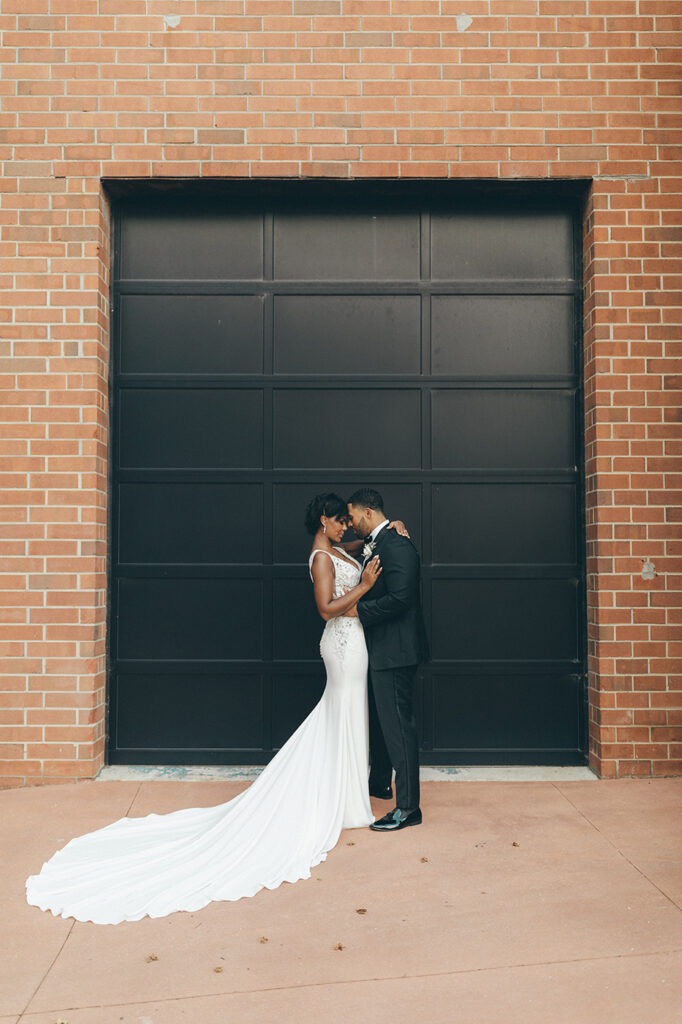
(391, 612)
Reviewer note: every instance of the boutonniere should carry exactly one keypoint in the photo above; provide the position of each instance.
(368, 548)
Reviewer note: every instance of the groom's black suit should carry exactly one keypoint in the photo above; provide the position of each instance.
(392, 619)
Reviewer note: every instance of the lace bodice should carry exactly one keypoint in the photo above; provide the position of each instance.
(339, 629)
(345, 575)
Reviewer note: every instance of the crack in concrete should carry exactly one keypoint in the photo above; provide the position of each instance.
(66, 939)
(362, 981)
(135, 796)
(618, 850)
(42, 980)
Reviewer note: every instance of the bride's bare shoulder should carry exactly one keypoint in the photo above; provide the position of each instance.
(321, 565)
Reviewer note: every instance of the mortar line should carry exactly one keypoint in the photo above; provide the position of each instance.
(359, 981)
(617, 849)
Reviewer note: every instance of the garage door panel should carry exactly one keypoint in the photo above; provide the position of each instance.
(293, 698)
(346, 246)
(209, 245)
(514, 711)
(190, 711)
(486, 245)
(356, 334)
(190, 619)
(191, 428)
(503, 429)
(327, 429)
(192, 334)
(288, 344)
(502, 335)
(293, 544)
(200, 523)
(504, 523)
(296, 622)
(490, 619)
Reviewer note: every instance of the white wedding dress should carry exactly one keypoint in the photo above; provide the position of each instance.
(275, 831)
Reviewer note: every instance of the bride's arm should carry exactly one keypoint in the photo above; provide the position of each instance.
(329, 606)
(351, 546)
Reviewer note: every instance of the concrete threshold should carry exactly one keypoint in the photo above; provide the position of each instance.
(427, 773)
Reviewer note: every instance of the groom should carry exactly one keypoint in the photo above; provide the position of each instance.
(392, 619)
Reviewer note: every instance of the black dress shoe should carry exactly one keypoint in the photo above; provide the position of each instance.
(397, 819)
(380, 792)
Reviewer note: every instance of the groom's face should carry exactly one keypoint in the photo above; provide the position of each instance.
(362, 526)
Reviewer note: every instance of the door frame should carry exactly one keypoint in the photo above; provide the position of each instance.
(573, 192)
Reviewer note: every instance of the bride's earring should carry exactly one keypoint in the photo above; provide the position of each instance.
(324, 527)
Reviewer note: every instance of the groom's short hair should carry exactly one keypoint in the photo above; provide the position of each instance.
(367, 497)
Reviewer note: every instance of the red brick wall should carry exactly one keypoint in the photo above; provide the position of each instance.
(340, 88)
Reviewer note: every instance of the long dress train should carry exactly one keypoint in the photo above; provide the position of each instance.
(275, 831)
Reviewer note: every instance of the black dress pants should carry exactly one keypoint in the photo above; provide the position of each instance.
(393, 733)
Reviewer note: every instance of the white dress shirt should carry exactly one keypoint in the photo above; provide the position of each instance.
(375, 531)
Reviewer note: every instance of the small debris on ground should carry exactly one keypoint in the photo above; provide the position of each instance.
(339, 945)
(152, 956)
(425, 860)
(516, 844)
(361, 910)
(262, 939)
(217, 970)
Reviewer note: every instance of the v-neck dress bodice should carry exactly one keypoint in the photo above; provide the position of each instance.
(345, 574)
(342, 629)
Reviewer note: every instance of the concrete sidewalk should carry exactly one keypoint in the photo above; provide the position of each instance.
(581, 921)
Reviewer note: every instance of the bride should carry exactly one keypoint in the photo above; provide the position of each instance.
(278, 828)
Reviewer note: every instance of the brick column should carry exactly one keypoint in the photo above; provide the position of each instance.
(632, 423)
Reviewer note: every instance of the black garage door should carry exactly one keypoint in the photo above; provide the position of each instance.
(271, 345)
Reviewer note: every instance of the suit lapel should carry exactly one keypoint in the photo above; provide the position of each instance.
(377, 543)
(380, 536)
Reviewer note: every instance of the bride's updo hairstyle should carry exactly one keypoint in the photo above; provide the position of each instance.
(323, 505)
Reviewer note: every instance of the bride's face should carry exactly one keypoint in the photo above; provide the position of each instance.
(336, 527)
